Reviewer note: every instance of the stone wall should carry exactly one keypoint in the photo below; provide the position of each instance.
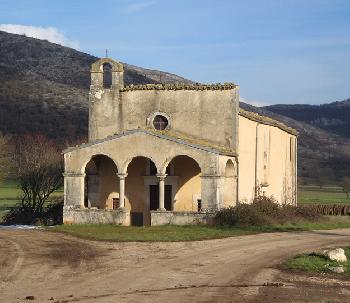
(181, 218)
(95, 216)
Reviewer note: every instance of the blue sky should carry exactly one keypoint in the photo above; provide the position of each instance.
(278, 51)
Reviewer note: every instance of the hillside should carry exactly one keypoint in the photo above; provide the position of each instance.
(333, 117)
(44, 86)
(44, 89)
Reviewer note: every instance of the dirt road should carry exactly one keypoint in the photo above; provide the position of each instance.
(58, 268)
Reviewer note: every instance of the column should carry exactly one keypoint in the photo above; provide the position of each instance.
(161, 178)
(74, 185)
(122, 177)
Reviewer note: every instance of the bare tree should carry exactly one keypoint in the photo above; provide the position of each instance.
(346, 185)
(38, 165)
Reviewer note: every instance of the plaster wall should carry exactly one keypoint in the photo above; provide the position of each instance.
(266, 159)
(207, 114)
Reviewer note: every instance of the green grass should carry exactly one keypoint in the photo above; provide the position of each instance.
(173, 233)
(10, 195)
(327, 194)
(315, 263)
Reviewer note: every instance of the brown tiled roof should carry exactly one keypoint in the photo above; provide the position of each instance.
(268, 121)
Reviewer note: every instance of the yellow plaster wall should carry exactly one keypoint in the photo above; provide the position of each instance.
(189, 183)
(279, 174)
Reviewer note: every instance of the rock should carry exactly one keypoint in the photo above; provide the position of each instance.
(336, 269)
(30, 298)
(337, 254)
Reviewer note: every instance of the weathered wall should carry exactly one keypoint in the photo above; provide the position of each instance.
(266, 158)
(181, 218)
(95, 216)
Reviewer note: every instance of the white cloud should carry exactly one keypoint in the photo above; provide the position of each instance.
(132, 8)
(51, 34)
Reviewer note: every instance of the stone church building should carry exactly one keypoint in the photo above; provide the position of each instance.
(172, 153)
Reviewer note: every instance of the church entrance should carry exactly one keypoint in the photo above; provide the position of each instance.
(154, 197)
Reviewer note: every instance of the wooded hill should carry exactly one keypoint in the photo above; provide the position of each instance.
(44, 89)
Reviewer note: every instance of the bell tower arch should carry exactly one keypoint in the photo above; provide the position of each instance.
(107, 79)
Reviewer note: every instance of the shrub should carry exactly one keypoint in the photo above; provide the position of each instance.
(264, 210)
(51, 215)
(240, 215)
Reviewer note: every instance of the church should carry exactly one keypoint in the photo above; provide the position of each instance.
(172, 153)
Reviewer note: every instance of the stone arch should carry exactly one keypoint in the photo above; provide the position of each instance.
(230, 168)
(101, 186)
(129, 160)
(187, 185)
(166, 163)
(230, 184)
(88, 159)
(97, 67)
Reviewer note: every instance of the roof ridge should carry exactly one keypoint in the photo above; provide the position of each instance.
(180, 86)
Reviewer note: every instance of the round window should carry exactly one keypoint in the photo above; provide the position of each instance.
(160, 122)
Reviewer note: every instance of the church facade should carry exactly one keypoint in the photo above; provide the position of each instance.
(172, 153)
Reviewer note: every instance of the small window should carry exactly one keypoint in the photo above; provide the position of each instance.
(160, 122)
(107, 75)
(199, 205)
(116, 203)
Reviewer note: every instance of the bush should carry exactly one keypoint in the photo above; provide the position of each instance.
(240, 215)
(264, 211)
(52, 215)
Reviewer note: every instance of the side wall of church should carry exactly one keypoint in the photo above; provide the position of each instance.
(267, 162)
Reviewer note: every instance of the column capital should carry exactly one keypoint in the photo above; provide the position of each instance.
(161, 177)
(122, 175)
(70, 174)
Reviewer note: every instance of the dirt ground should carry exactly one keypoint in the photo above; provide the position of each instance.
(51, 267)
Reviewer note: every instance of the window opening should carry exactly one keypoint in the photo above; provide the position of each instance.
(160, 122)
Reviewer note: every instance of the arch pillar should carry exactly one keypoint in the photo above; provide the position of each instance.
(122, 177)
(74, 187)
(161, 178)
(212, 192)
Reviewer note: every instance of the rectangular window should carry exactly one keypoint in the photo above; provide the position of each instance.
(116, 203)
(199, 205)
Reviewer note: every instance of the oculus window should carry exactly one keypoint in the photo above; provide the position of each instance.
(160, 122)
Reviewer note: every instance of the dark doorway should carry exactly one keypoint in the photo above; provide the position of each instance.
(136, 219)
(154, 197)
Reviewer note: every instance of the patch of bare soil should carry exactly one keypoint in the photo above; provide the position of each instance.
(42, 266)
(301, 287)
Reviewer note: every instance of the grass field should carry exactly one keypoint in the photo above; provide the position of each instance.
(171, 233)
(10, 195)
(327, 194)
(316, 263)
